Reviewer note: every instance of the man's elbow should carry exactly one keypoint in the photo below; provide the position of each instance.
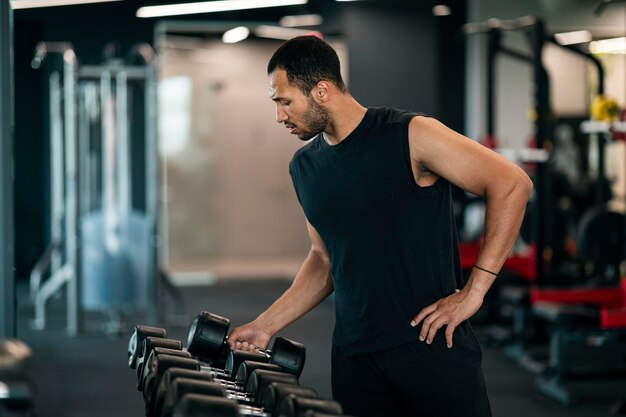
(522, 186)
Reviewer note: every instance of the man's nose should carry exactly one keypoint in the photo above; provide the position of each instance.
(281, 115)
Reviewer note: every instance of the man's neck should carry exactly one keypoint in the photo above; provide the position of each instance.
(345, 117)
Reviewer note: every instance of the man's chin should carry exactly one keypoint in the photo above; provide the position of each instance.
(306, 136)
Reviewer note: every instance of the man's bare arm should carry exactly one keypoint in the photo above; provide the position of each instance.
(478, 170)
(312, 284)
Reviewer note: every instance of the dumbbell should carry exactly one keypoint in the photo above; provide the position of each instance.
(176, 383)
(157, 365)
(169, 375)
(139, 334)
(197, 405)
(182, 386)
(141, 354)
(208, 338)
(271, 394)
(141, 376)
(207, 341)
(148, 345)
(294, 406)
(251, 378)
(275, 392)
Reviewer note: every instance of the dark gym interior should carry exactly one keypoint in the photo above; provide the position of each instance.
(144, 180)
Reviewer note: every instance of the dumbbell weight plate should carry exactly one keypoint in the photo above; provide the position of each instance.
(139, 334)
(156, 366)
(195, 405)
(289, 355)
(182, 386)
(207, 336)
(148, 345)
(293, 406)
(159, 351)
(170, 375)
(237, 357)
(275, 392)
(247, 367)
(261, 378)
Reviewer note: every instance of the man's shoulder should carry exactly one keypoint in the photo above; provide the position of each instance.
(393, 115)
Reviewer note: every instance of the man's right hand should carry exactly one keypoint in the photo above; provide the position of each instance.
(249, 337)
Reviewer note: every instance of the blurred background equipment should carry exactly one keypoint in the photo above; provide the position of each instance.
(103, 241)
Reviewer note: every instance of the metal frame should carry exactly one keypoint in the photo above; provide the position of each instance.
(70, 182)
(534, 28)
(64, 145)
(7, 289)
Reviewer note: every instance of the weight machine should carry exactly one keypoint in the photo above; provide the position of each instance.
(103, 239)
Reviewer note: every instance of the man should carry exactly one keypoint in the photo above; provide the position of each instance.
(374, 184)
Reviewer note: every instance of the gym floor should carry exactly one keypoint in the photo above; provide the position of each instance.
(88, 376)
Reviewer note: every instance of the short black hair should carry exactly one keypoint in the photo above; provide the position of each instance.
(307, 60)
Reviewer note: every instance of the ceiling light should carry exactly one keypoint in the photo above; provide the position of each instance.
(212, 7)
(301, 20)
(31, 4)
(236, 35)
(442, 10)
(571, 38)
(277, 32)
(608, 46)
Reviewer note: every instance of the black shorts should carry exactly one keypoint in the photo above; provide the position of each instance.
(413, 379)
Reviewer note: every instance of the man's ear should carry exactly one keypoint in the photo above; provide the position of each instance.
(322, 91)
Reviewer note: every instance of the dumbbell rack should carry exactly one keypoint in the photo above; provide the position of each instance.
(211, 379)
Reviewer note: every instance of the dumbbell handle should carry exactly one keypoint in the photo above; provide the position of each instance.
(218, 378)
(245, 410)
(218, 373)
(266, 352)
(238, 396)
(235, 391)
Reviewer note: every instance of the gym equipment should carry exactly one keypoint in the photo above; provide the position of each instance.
(155, 351)
(604, 109)
(539, 261)
(192, 405)
(249, 402)
(250, 377)
(167, 379)
(104, 216)
(160, 362)
(208, 340)
(587, 324)
(275, 393)
(157, 364)
(587, 329)
(293, 406)
(140, 332)
(172, 374)
(247, 395)
(182, 386)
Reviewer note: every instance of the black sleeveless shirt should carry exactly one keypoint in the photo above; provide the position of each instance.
(392, 244)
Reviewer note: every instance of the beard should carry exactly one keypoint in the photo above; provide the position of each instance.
(314, 120)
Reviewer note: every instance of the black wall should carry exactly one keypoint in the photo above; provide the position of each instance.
(400, 55)
(393, 59)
